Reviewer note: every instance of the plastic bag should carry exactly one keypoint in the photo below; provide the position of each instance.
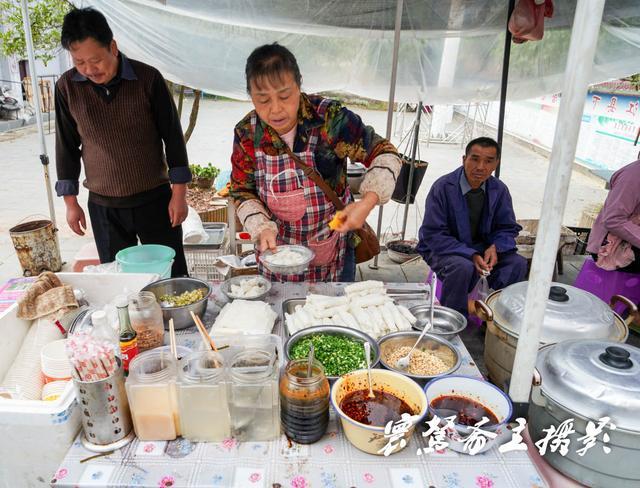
(480, 292)
(527, 20)
(482, 289)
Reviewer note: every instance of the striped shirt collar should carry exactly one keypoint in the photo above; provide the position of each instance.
(465, 187)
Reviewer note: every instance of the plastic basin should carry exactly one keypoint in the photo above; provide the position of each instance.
(146, 258)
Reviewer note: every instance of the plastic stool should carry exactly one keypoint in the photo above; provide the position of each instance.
(471, 319)
(605, 284)
(87, 255)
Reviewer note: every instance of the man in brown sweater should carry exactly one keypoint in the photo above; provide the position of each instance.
(117, 116)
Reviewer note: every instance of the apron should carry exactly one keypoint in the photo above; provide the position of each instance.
(301, 210)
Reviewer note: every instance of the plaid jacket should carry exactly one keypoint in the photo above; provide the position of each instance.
(342, 135)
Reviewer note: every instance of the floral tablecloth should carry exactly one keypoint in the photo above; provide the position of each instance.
(332, 462)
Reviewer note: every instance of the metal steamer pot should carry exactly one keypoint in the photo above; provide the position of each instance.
(571, 313)
(586, 380)
(355, 175)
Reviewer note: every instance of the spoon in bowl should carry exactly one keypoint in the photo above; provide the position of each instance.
(403, 362)
(310, 361)
(367, 356)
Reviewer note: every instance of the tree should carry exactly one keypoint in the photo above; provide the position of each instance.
(195, 108)
(46, 21)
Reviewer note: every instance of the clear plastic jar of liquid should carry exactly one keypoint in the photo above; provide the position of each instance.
(202, 397)
(304, 401)
(152, 396)
(146, 319)
(254, 402)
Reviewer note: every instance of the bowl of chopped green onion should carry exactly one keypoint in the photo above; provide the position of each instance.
(339, 349)
(178, 297)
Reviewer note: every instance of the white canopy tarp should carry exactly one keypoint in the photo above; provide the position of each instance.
(347, 45)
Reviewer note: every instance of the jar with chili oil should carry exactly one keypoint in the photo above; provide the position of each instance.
(304, 401)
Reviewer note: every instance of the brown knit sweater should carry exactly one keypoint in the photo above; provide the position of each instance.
(122, 150)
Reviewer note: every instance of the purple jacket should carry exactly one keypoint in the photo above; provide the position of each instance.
(445, 229)
(622, 203)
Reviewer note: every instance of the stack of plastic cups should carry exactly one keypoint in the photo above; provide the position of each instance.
(55, 364)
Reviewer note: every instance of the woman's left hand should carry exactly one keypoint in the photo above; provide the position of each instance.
(355, 214)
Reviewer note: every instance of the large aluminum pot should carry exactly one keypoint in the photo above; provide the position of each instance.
(586, 380)
(570, 313)
(355, 175)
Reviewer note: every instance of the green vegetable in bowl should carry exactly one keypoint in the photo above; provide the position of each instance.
(338, 354)
(186, 298)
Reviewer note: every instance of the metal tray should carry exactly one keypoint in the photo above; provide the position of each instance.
(289, 306)
(217, 232)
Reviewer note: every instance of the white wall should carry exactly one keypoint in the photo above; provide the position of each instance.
(609, 126)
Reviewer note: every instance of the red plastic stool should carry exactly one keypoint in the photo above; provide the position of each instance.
(87, 255)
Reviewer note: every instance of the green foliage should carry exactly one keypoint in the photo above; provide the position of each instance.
(634, 80)
(46, 21)
(204, 172)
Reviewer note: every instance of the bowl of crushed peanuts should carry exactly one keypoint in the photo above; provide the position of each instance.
(433, 357)
(178, 297)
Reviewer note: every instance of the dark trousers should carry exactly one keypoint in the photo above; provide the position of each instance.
(115, 229)
(458, 276)
(348, 273)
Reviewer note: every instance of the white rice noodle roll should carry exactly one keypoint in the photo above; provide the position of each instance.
(387, 316)
(363, 286)
(370, 301)
(305, 318)
(337, 320)
(362, 317)
(407, 314)
(329, 312)
(322, 301)
(400, 322)
(348, 319)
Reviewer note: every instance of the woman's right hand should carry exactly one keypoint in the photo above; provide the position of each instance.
(267, 240)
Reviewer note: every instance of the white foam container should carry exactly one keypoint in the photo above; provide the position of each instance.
(35, 435)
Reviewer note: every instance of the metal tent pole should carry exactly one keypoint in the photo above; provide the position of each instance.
(582, 47)
(392, 95)
(505, 80)
(44, 159)
(414, 151)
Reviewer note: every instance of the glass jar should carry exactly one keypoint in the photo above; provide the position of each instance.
(254, 402)
(146, 319)
(202, 397)
(152, 396)
(304, 401)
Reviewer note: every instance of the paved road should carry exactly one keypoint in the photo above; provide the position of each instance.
(22, 192)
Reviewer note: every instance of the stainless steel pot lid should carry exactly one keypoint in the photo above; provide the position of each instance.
(570, 313)
(594, 379)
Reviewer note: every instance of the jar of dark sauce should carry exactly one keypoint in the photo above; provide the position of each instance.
(304, 401)
(378, 411)
(466, 410)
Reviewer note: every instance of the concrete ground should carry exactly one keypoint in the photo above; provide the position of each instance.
(23, 195)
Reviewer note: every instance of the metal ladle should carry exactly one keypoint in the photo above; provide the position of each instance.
(310, 361)
(367, 357)
(403, 363)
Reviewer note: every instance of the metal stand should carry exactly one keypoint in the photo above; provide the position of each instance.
(392, 93)
(505, 80)
(414, 152)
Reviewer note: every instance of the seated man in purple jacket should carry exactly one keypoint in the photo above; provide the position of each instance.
(469, 227)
